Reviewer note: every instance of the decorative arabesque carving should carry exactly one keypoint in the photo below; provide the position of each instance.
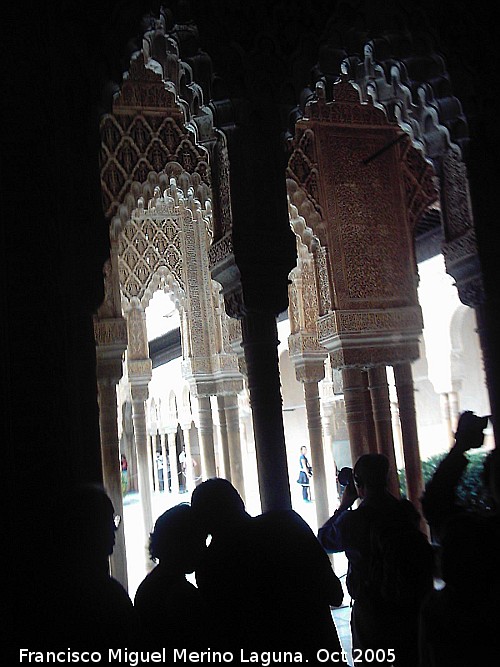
(147, 129)
(164, 245)
(421, 120)
(375, 185)
(460, 247)
(306, 353)
(159, 119)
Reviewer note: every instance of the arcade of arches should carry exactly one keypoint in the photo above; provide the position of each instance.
(270, 162)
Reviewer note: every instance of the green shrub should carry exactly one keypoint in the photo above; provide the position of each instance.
(471, 492)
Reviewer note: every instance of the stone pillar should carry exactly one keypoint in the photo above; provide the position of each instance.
(311, 394)
(111, 341)
(260, 342)
(139, 368)
(396, 429)
(154, 461)
(207, 437)
(381, 405)
(404, 387)
(488, 329)
(224, 437)
(172, 457)
(139, 395)
(234, 444)
(164, 457)
(454, 410)
(108, 424)
(359, 420)
(330, 472)
(190, 482)
(444, 402)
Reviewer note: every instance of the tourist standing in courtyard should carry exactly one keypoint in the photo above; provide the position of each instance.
(305, 474)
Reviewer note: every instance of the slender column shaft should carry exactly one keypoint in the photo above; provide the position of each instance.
(188, 471)
(143, 464)
(311, 394)
(260, 341)
(379, 391)
(444, 402)
(326, 421)
(406, 400)
(172, 457)
(234, 443)
(224, 437)
(359, 420)
(164, 456)
(488, 329)
(207, 437)
(454, 410)
(154, 461)
(108, 424)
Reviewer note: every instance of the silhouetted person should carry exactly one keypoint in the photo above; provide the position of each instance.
(268, 581)
(459, 624)
(305, 475)
(170, 608)
(390, 564)
(96, 610)
(75, 602)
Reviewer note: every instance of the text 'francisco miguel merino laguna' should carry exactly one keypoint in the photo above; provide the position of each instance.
(135, 658)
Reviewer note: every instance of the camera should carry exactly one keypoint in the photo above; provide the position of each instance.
(345, 476)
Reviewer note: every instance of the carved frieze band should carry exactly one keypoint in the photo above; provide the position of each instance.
(220, 250)
(302, 343)
(110, 331)
(386, 355)
(396, 320)
(139, 370)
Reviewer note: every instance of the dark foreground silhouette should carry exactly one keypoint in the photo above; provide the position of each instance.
(390, 564)
(266, 579)
(459, 624)
(170, 608)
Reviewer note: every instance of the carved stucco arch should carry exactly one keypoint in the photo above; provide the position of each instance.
(157, 239)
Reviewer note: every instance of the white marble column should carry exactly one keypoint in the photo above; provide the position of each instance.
(311, 393)
(224, 437)
(164, 457)
(172, 457)
(139, 396)
(231, 410)
(108, 425)
(206, 431)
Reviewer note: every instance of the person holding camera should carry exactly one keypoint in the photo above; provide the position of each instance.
(458, 623)
(390, 564)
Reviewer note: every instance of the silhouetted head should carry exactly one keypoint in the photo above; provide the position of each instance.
(370, 474)
(217, 505)
(89, 524)
(303, 449)
(177, 540)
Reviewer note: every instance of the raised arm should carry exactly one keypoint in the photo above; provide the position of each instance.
(439, 500)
